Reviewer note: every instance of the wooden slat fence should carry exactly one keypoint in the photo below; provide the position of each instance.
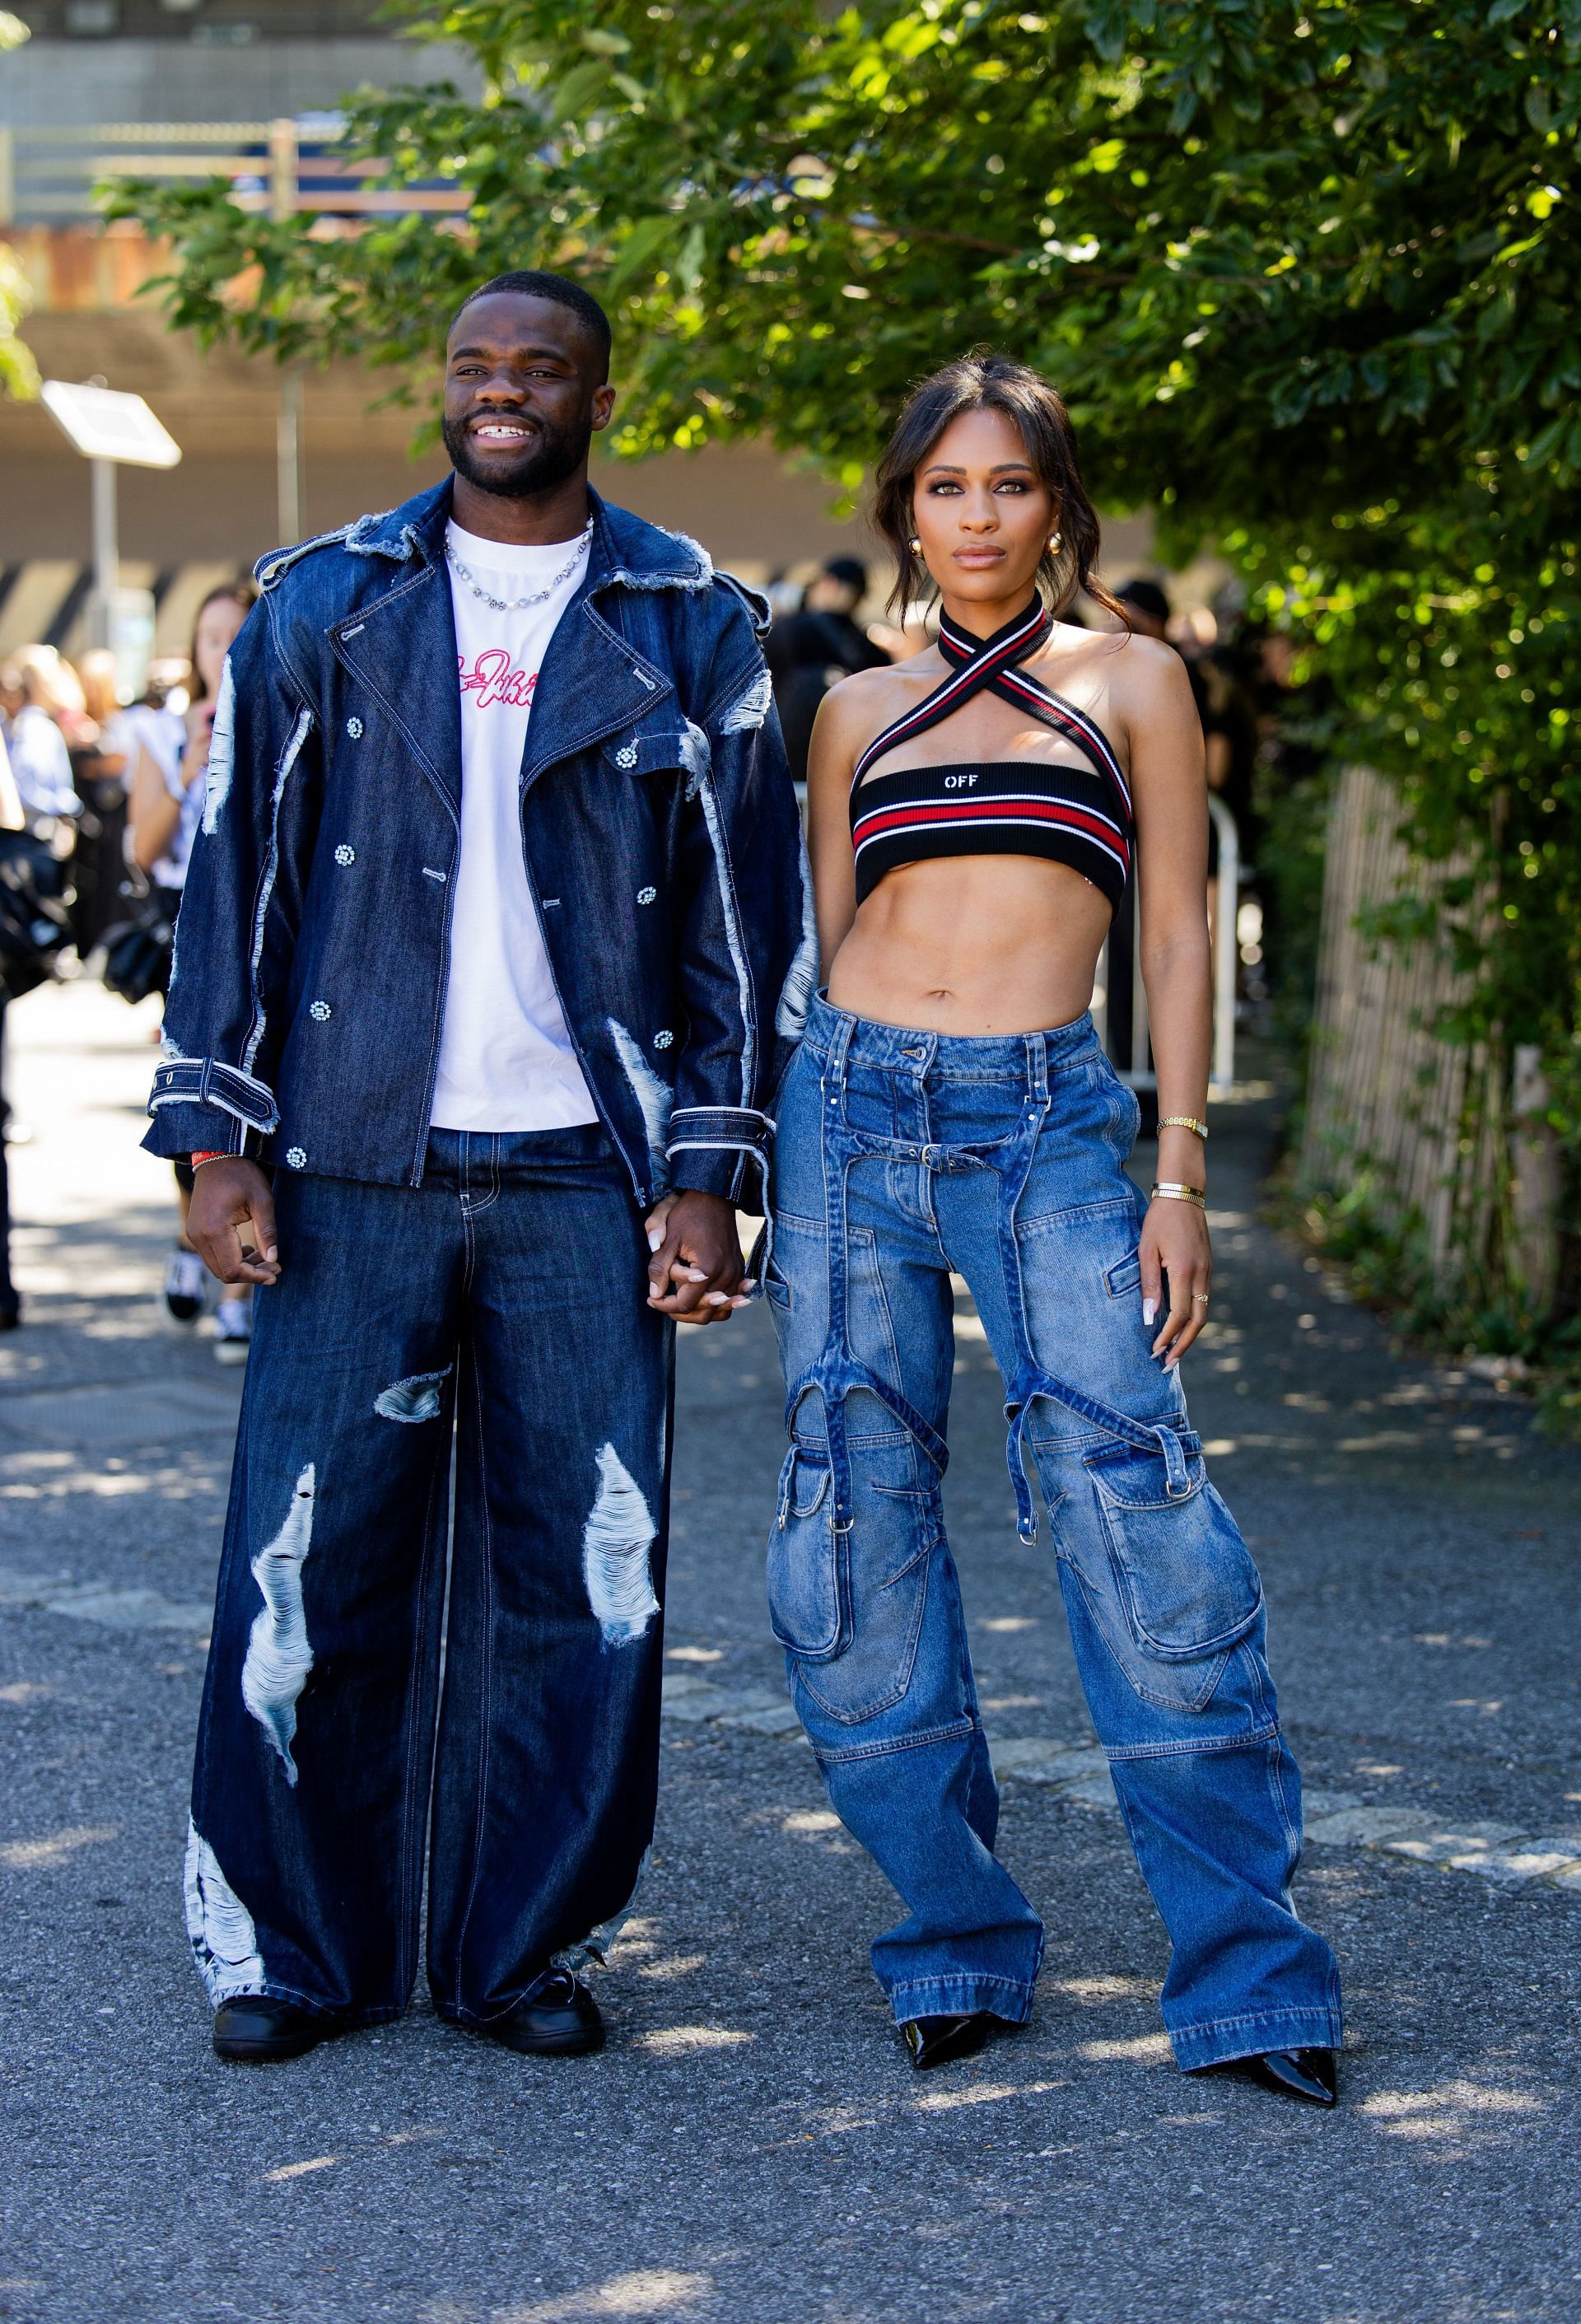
(1387, 1099)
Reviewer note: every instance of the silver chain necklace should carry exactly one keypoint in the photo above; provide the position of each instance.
(520, 604)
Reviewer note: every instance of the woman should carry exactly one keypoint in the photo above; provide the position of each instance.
(975, 814)
(165, 802)
(42, 704)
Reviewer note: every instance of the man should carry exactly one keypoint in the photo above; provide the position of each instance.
(815, 649)
(493, 944)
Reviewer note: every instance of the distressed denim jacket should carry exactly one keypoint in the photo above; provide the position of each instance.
(661, 838)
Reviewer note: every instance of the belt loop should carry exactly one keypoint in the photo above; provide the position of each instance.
(1176, 1481)
(1025, 1515)
(837, 1049)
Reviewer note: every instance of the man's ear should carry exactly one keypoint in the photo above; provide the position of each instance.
(603, 404)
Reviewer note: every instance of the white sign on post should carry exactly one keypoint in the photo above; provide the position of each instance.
(104, 424)
(112, 429)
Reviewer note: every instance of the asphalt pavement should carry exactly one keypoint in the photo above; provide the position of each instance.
(752, 2147)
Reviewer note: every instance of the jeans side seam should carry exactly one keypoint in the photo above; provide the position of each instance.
(487, 1659)
(409, 1888)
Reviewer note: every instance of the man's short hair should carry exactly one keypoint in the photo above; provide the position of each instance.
(1147, 596)
(531, 282)
(849, 571)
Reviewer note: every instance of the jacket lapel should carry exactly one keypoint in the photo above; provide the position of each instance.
(592, 683)
(403, 648)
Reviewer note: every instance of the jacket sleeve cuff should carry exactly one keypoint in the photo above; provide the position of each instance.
(202, 1106)
(725, 1150)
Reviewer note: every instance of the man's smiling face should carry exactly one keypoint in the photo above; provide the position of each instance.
(524, 393)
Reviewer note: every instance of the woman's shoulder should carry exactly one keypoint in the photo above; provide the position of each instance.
(1146, 673)
(867, 701)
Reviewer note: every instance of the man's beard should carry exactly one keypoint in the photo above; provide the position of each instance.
(546, 460)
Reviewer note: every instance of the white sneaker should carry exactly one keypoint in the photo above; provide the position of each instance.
(233, 1325)
(186, 1283)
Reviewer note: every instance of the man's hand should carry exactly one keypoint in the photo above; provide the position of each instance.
(695, 1273)
(226, 1196)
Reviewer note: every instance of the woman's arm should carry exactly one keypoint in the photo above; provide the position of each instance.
(1169, 786)
(12, 817)
(839, 731)
(151, 814)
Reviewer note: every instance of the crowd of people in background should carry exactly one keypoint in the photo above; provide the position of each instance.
(113, 791)
(118, 787)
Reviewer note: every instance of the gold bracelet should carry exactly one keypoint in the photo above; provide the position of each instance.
(1184, 1122)
(1173, 1194)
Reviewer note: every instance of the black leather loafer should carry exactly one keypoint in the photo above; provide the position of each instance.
(257, 2031)
(936, 2041)
(1308, 2074)
(556, 2017)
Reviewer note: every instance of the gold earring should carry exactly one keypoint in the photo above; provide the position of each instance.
(1054, 541)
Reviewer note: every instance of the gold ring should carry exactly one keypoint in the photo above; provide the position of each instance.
(1200, 1299)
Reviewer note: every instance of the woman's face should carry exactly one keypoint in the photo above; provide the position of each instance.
(981, 511)
(217, 625)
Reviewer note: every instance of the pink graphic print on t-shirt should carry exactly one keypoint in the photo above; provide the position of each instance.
(491, 680)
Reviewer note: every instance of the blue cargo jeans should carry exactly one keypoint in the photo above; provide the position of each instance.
(397, 1673)
(900, 1157)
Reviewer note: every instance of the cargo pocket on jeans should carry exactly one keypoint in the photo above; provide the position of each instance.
(1186, 1579)
(809, 1591)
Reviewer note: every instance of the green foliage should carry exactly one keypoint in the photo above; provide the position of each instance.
(1386, 1264)
(19, 374)
(1307, 270)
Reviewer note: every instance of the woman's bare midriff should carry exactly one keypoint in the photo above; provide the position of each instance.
(973, 946)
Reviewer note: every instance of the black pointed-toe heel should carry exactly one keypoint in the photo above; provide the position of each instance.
(1308, 2074)
(937, 2040)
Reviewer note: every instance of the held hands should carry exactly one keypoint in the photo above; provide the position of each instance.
(695, 1273)
(226, 1196)
(1174, 1243)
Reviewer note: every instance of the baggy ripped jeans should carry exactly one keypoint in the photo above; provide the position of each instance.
(900, 1157)
(407, 1669)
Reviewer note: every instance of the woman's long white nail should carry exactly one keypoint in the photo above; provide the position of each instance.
(1149, 1310)
(656, 1235)
(715, 1299)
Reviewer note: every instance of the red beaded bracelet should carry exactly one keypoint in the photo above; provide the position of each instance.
(194, 1160)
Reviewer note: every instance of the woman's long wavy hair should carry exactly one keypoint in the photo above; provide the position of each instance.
(974, 384)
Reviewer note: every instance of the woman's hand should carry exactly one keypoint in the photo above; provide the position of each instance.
(695, 1274)
(1174, 1243)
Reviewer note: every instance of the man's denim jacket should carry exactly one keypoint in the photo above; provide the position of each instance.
(662, 845)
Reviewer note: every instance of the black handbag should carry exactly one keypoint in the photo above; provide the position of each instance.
(137, 948)
(36, 896)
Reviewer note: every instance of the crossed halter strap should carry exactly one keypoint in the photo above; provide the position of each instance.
(990, 665)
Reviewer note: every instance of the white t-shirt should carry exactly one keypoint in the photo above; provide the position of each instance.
(505, 1057)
